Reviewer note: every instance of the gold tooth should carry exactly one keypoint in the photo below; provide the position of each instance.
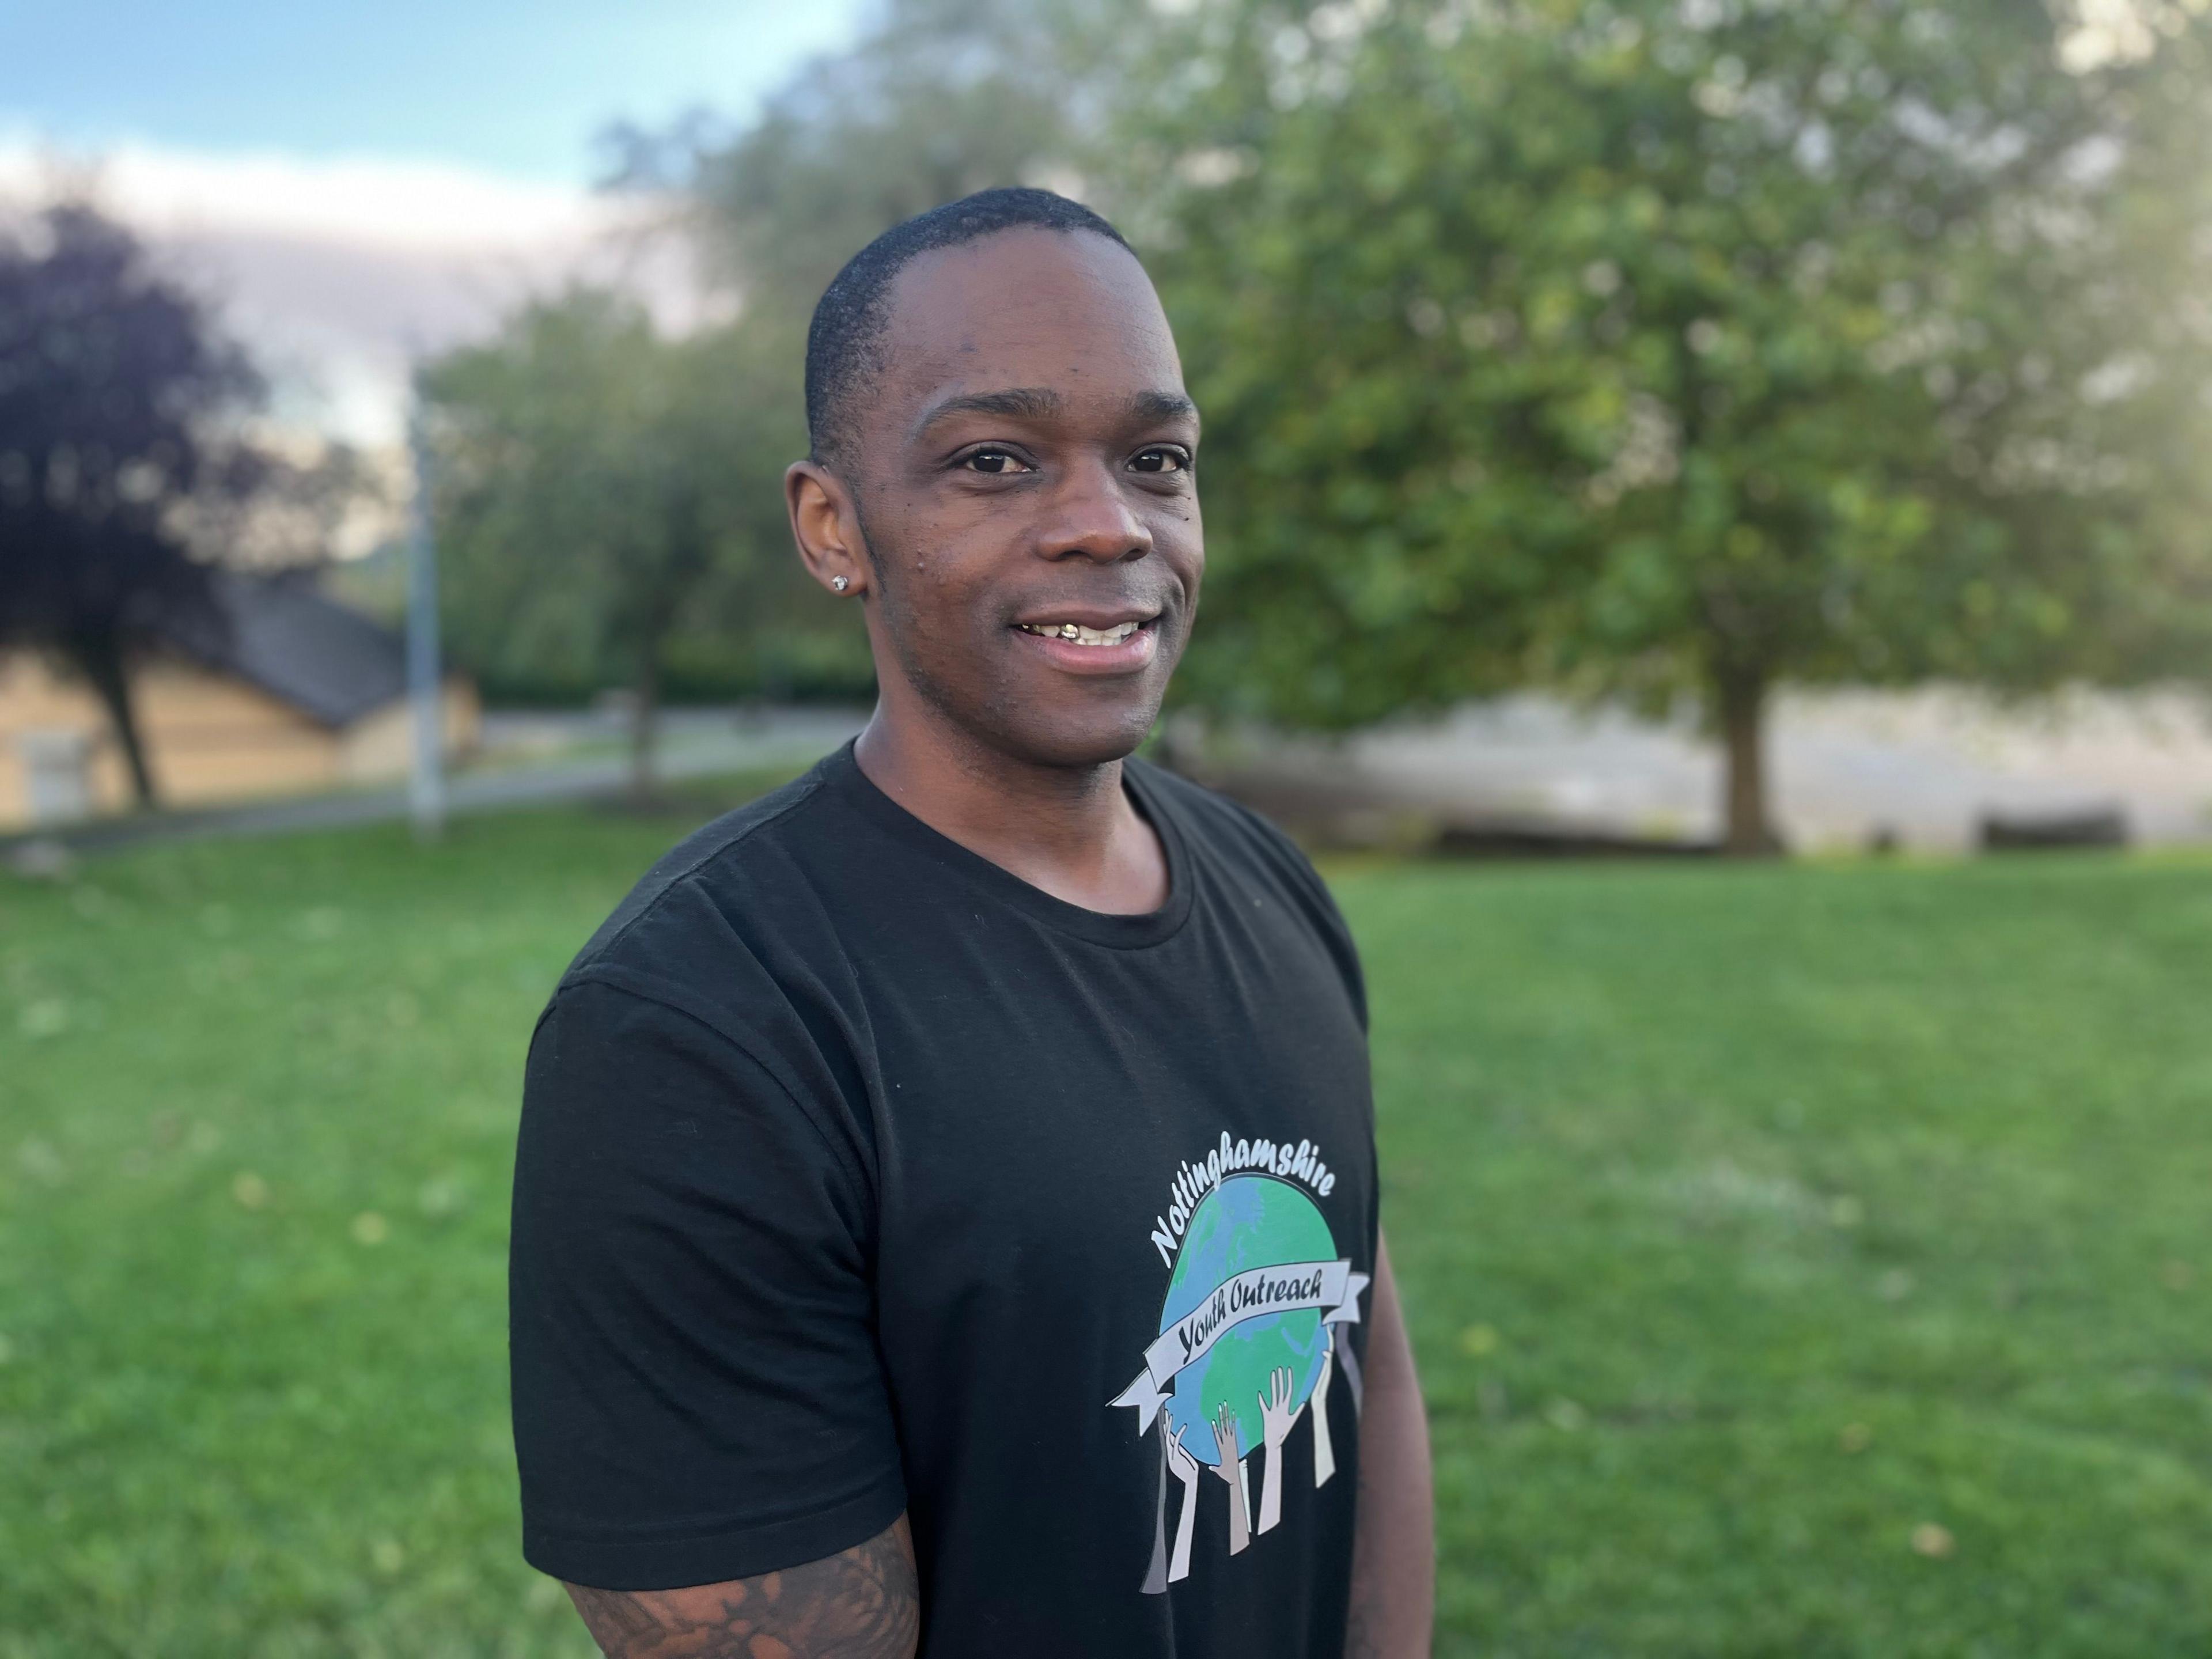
(1073, 630)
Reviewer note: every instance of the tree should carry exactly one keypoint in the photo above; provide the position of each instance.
(116, 392)
(602, 488)
(942, 98)
(1673, 345)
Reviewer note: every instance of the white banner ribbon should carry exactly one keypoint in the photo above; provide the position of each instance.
(1298, 1284)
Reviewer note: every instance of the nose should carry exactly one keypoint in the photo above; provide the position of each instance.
(1090, 518)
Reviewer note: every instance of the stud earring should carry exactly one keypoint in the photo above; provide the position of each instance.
(841, 583)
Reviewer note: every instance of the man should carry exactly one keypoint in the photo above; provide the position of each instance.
(945, 1211)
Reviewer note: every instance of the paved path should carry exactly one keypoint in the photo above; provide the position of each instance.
(1920, 767)
(695, 743)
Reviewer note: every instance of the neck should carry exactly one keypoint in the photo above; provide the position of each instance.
(1070, 830)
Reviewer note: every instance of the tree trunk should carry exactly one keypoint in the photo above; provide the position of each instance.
(644, 727)
(1739, 706)
(100, 657)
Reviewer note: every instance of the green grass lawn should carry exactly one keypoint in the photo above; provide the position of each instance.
(1803, 1260)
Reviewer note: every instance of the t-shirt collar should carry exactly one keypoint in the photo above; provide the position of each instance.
(844, 777)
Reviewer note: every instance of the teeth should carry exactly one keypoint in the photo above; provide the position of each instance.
(1080, 635)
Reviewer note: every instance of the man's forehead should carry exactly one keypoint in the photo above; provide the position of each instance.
(1044, 403)
(1044, 313)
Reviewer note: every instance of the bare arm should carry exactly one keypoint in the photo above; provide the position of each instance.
(863, 1604)
(1393, 1548)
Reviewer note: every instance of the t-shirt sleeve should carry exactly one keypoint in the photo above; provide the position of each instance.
(698, 1392)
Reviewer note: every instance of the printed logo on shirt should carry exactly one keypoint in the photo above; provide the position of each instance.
(1248, 1342)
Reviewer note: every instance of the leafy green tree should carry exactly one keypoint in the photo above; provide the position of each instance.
(1686, 345)
(911, 117)
(940, 99)
(943, 97)
(601, 491)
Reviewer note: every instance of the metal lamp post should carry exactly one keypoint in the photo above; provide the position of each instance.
(426, 695)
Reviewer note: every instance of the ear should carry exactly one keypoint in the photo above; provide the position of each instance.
(826, 524)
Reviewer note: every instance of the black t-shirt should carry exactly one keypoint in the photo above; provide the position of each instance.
(858, 1175)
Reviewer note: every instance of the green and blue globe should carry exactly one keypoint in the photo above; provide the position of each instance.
(1247, 1221)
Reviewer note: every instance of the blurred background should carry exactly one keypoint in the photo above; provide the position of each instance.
(1709, 511)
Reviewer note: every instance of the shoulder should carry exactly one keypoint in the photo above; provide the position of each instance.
(732, 928)
(1226, 833)
(723, 959)
(1225, 828)
(1212, 814)
(705, 897)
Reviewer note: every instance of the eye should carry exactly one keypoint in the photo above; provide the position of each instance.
(993, 462)
(1161, 457)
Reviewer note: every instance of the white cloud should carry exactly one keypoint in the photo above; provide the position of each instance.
(337, 275)
(422, 206)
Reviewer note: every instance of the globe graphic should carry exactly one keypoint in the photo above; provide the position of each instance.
(1247, 1221)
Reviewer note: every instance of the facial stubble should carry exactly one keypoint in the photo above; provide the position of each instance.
(995, 712)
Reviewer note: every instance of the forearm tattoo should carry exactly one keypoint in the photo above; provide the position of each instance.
(863, 1604)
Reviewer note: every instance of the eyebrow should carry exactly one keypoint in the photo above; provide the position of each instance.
(1031, 403)
(1021, 403)
(1166, 406)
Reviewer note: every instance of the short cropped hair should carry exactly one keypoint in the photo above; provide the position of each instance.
(845, 341)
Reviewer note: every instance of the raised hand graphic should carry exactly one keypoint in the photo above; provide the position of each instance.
(1232, 1469)
(1324, 1453)
(1276, 1416)
(1186, 1470)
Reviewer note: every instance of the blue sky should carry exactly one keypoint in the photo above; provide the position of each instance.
(513, 89)
(353, 184)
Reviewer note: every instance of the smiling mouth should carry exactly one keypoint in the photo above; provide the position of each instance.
(1077, 634)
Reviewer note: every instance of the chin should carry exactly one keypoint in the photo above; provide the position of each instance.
(1043, 719)
(1092, 739)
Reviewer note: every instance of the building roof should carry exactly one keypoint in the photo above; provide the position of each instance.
(283, 635)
